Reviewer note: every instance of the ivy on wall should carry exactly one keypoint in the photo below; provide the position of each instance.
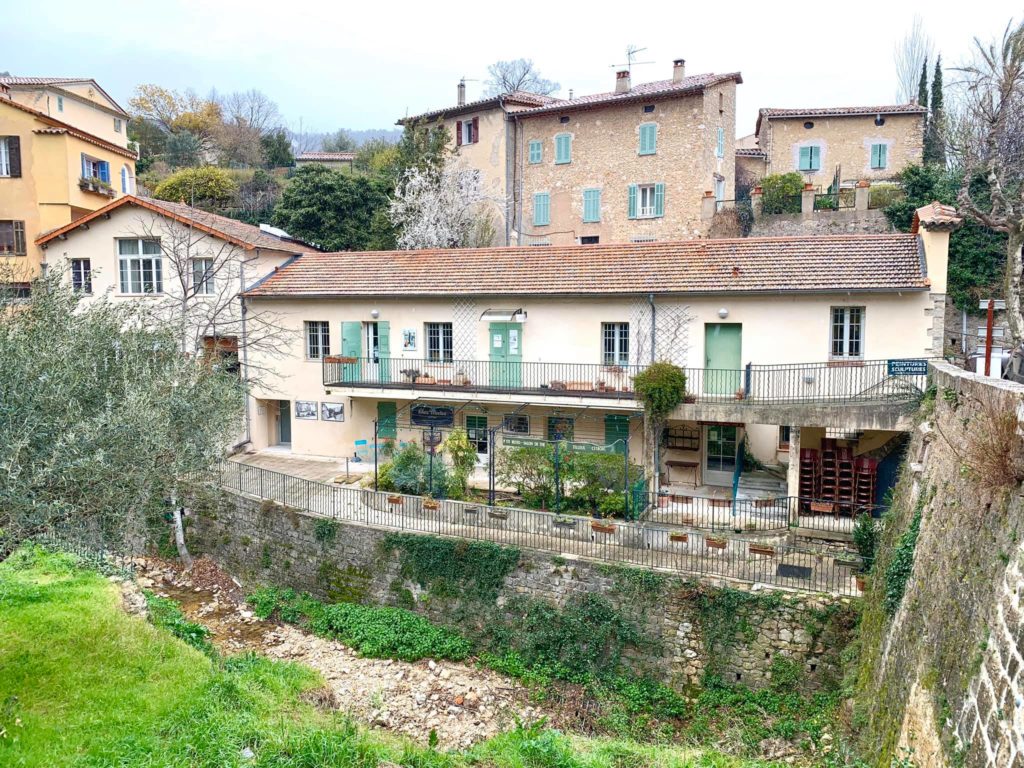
(453, 568)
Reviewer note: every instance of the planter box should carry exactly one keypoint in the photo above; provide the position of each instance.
(429, 504)
(680, 537)
(682, 499)
(471, 510)
(558, 385)
(825, 507)
(721, 502)
(763, 503)
(498, 515)
(602, 527)
(425, 380)
(761, 549)
(563, 523)
(716, 543)
(396, 500)
(444, 382)
(579, 386)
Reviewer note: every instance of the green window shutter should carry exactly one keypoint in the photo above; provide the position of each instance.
(659, 199)
(720, 145)
(536, 151)
(815, 155)
(616, 431)
(633, 195)
(387, 420)
(384, 350)
(591, 205)
(805, 158)
(648, 139)
(883, 152)
(878, 155)
(351, 346)
(541, 209)
(563, 149)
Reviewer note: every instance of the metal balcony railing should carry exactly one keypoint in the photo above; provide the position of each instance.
(831, 383)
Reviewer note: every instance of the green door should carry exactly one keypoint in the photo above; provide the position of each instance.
(476, 431)
(387, 420)
(722, 358)
(616, 430)
(505, 342)
(284, 422)
(351, 346)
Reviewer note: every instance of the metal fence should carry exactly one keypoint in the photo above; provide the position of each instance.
(834, 201)
(753, 515)
(89, 547)
(765, 560)
(831, 383)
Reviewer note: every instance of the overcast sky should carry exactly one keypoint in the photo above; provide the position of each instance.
(362, 65)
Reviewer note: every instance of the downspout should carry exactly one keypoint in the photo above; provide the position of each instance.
(517, 184)
(654, 314)
(245, 354)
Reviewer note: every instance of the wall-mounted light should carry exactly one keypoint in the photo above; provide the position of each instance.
(520, 316)
(723, 313)
(374, 313)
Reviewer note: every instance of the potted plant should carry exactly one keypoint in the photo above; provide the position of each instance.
(431, 504)
(97, 185)
(600, 526)
(739, 394)
(715, 543)
(411, 374)
(761, 549)
(679, 537)
(395, 500)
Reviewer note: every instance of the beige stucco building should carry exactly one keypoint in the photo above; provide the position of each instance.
(543, 344)
(64, 152)
(851, 143)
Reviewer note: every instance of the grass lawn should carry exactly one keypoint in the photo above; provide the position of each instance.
(84, 684)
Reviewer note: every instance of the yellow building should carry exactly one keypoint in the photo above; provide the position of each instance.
(64, 152)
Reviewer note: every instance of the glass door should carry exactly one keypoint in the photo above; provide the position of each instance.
(476, 430)
(284, 422)
(720, 455)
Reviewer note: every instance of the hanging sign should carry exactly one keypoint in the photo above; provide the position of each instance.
(910, 367)
(533, 442)
(423, 415)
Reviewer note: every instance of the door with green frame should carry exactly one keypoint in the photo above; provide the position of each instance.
(476, 431)
(506, 355)
(722, 358)
(352, 347)
(387, 420)
(722, 442)
(377, 366)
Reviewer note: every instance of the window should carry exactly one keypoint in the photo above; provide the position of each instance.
(646, 201)
(467, 131)
(126, 180)
(591, 205)
(879, 121)
(95, 169)
(808, 125)
(560, 428)
(648, 139)
(10, 157)
(517, 423)
(848, 333)
(536, 151)
(439, 342)
(879, 156)
(81, 275)
(476, 431)
(5, 157)
(784, 438)
(720, 143)
(615, 343)
(117, 125)
(648, 108)
(541, 209)
(318, 339)
(810, 159)
(12, 238)
(202, 276)
(563, 149)
(60, 103)
(140, 266)
(590, 240)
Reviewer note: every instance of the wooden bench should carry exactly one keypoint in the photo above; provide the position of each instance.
(681, 464)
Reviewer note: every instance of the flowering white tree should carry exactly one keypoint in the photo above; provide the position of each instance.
(442, 208)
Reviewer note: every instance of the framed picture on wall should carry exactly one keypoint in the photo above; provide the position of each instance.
(408, 339)
(305, 409)
(332, 412)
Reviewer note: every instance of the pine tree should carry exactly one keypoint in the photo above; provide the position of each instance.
(934, 140)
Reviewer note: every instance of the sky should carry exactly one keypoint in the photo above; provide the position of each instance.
(364, 65)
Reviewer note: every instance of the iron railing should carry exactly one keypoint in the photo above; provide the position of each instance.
(834, 201)
(93, 549)
(752, 515)
(766, 560)
(833, 383)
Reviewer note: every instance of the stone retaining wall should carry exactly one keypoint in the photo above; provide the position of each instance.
(264, 543)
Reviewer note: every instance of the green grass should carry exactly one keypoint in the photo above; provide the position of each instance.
(83, 684)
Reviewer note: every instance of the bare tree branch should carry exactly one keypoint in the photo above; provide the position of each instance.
(909, 56)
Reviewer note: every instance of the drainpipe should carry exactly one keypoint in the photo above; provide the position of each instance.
(654, 312)
(245, 355)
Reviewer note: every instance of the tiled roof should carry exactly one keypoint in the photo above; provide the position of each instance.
(890, 262)
(749, 152)
(233, 231)
(327, 156)
(16, 81)
(520, 98)
(57, 127)
(936, 216)
(890, 109)
(657, 89)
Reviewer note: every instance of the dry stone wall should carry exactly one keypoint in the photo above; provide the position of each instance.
(692, 627)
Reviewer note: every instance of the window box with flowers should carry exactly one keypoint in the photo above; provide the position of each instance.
(96, 185)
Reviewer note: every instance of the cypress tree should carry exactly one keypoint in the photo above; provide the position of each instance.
(934, 141)
(922, 85)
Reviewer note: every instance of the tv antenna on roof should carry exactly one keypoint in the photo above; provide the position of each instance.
(631, 52)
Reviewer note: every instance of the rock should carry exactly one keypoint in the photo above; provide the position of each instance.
(247, 754)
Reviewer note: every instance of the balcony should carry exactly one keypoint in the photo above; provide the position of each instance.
(882, 391)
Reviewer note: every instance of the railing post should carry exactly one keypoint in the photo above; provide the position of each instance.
(747, 380)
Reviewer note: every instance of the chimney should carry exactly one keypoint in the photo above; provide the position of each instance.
(622, 81)
(462, 93)
(678, 70)
(570, 94)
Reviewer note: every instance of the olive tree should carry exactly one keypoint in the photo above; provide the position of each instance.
(104, 424)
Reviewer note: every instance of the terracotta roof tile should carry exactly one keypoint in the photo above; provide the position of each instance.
(10, 80)
(749, 152)
(520, 98)
(656, 89)
(889, 109)
(58, 126)
(936, 216)
(232, 230)
(889, 262)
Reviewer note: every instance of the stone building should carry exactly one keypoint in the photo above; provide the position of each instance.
(338, 161)
(845, 143)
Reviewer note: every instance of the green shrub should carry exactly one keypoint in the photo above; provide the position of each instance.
(200, 185)
(780, 193)
(411, 472)
(325, 531)
(462, 454)
(883, 195)
(612, 505)
(660, 387)
(901, 566)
